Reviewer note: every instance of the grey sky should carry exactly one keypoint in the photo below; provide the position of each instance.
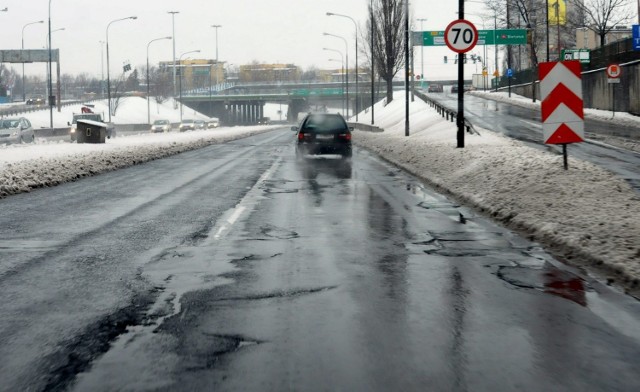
(271, 31)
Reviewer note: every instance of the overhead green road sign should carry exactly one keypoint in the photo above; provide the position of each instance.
(485, 37)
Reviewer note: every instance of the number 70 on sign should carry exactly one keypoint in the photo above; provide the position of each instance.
(461, 36)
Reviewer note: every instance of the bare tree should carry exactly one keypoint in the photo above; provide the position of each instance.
(388, 31)
(602, 16)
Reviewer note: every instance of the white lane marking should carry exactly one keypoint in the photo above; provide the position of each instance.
(233, 215)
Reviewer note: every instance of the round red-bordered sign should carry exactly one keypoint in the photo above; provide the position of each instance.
(461, 36)
(614, 71)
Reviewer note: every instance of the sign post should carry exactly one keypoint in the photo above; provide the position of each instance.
(562, 106)
(461, 36)
(613, 77)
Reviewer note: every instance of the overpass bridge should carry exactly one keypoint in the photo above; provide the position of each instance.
(243, 103)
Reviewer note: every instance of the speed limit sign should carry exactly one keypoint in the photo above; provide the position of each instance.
(461, 36)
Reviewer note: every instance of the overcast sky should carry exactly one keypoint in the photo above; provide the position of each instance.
(270, 31)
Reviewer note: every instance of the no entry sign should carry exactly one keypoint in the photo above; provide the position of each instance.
(461, 36)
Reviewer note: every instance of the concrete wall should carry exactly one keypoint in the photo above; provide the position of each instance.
(597, 93)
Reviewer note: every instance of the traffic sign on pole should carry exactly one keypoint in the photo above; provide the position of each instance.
(461, 36)
(614, 71)
(636, 36)
(562, 106)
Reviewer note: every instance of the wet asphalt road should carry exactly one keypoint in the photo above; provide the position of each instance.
(237, 267)
(525, 125)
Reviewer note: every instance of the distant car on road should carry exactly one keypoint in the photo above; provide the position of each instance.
(323, 133)
(264, 121)
(187, 125)
(213, 123)
(454, 88)
(161, 126)
(199, 124)
(16, 130)
(435, 88)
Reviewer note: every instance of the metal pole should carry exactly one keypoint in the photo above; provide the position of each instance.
(356, 26)
(49, 100)
(102, 68)
(406, 67)
(460, 116)
(547, 26)
(181, 76)
(373, 61)
(108, 73)
(173, 34)
(422, 54)
(495, 47)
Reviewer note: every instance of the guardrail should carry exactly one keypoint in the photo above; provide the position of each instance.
(365, 127)
(446, 112)
(12, 111)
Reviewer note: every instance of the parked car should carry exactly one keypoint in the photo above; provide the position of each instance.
(199, 124)
(213, 123)
(435, 88)
(16, 130)
(161, 126)
(187, 125)
(323, 133)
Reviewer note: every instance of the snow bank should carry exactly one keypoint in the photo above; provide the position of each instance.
(585, 215)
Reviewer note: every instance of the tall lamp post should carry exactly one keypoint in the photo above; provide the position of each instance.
(342, 57)
(23, 79)
(148, 104)
(181, 75)
(47, 45)
(341, 61)
(173, 34)
(373, 62)
(215, 68)
(422, 53)
(101, 69)
(108, 73)
(50, 87)
(346, 46)
(356, 26)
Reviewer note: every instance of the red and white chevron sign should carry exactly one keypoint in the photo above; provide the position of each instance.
(562, 107)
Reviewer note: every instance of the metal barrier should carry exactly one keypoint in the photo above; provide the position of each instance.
(445, 112)
(6, 112)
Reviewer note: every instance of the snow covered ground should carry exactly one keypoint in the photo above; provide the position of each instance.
(586, 215)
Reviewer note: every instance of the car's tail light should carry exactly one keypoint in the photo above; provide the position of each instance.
(301, 136)
(345, 136)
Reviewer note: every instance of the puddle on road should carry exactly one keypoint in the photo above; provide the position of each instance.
(548, 279)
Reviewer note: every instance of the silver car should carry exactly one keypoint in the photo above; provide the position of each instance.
(16, 130)
(161, 126)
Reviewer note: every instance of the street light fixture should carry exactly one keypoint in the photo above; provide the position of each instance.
(346, 45)
(342, 57)
(356, 26)
(23, 79)
(108, 73)
(181, 74)
(148, 104)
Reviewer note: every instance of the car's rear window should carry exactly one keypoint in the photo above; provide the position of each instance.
(324, 123)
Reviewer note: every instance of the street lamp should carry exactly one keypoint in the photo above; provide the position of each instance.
(341, 61)
(181, 74)
(50, 97)
(356, 26)
(23, 79)
(148, 105)
(346, 45)
(342, 57)
(108, 73)
(215, 68)
(101, 69)
(422, 53)
(173, 34)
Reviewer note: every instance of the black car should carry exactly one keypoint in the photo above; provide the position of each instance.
(323, 133)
